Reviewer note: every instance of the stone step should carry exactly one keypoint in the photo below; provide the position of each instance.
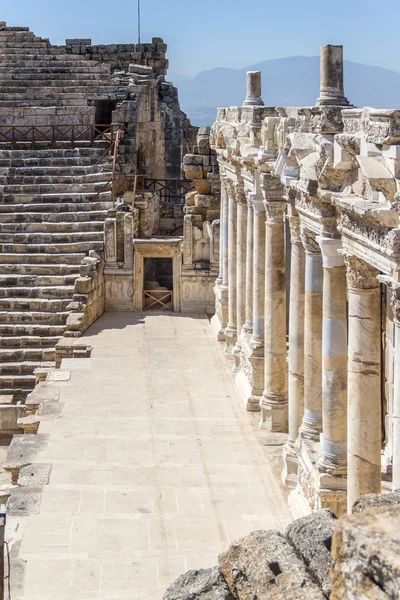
(54, 79)
(34, 239)
(48, 162)
(11, 384)
(60, 171)
(56, 55)
(45, 189)
(45, 258)
(48, 269)
(19, 317)
(64, 150)
(46, 227)
(44, 102)
(52, 86)
(47, 292)
(76, 197)
(44, 330)
(23, 368)
(28, 341)
(75, 217)
(90, 70)
(27, 354)
(38, 305)
(67, 61)
(30, 283)
(51, 208)
(66, 180)
(49, 250)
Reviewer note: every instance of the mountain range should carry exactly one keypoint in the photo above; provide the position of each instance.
(292, 81)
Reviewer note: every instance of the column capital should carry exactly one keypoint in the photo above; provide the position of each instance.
(394, 287)
(330, 247)
(294, 225)
(360, 274)
(309, 239)
(240, 195)
(275, 212)
(257, 200)
(230, 188)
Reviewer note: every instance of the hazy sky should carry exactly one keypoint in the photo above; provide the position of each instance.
(202, 34)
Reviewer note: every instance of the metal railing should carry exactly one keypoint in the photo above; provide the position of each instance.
(35, 135)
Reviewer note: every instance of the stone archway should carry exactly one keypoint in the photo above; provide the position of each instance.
(157, 248)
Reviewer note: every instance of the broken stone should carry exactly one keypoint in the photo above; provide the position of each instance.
(311, 536)
(205, 584)
(264, 565)
(24, 501)
(376, 501)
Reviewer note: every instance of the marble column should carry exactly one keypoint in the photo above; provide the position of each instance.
(364, 381)
(274, 402)
(312, 419)
(331, 77)
(220, 319)
(296, 351)
(334, 360)
(248, 326)
(253, 89)
(231, 328)
(241, 263)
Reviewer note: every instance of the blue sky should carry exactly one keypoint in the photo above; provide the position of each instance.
(202, 34)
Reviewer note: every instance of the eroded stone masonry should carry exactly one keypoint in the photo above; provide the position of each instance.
(281, 225)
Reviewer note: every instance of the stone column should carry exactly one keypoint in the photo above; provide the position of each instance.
(312, 419)
(258, 271)
(231, 328)
(331, 77)
(128, 241)
(220, 319)
(110, 241)
(334, 360)
(296, 351)
(364, 381)
(274, 403)
(240, 273)
(248, 326)
(253, 89)
(221, 238)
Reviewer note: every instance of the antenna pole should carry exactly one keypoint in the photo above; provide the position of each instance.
(138, 21)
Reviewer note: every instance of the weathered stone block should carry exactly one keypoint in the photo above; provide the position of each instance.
(264, 565)
(311, 536)
(376, 501)
(205, 584)
(365, 556)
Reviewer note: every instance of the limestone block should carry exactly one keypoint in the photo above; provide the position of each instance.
(24, 501)
(203, 186)
(342, 159)
(376, 501)
(264, 565)
(311, 536)
(193, 171)
(365, 556)
(205, 584)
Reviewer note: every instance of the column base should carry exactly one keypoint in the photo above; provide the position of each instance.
(250, 378)
(220, 319)
(290, 466)
(274, 413)
(316, 490)
(230, 339)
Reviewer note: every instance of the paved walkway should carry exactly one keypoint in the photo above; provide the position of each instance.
(155, 465)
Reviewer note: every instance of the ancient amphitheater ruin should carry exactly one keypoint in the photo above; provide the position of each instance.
(199, 336)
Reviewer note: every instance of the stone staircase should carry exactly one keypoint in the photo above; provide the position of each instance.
(51, 216)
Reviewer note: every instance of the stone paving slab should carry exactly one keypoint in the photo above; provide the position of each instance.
(155, 465)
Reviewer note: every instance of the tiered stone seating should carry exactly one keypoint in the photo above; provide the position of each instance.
(50, 218)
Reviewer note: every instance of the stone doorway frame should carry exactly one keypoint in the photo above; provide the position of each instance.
(157, 248)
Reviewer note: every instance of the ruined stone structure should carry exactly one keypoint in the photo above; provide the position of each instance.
(77, 122)
(309, 206)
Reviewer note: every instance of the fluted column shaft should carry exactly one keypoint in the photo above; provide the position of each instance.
(248, 326)
(221, 236)
(231, 329)
(334, 359)
(364, 381)
(312, 419)
(258, 271)
(273, 403)
(225, 234)
(241, 244)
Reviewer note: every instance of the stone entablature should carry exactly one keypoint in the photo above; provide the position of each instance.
(334, 172)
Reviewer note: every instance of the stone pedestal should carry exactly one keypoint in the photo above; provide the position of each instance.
(250, 379)
(240, 275)
(364, 381)
(231, 328)
(296, 352)
(274, 403)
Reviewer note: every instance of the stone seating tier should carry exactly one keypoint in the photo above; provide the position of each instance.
(51, 217)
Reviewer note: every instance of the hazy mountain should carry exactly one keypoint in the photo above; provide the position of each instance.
(292, 81)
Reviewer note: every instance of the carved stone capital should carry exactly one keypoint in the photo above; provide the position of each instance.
(394, 287)
(230, 188)
(275, 212)
(309, 239)
(240, 195)
(360, 275)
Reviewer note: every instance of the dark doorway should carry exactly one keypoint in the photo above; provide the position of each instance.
(158, 284)
(104, 109)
